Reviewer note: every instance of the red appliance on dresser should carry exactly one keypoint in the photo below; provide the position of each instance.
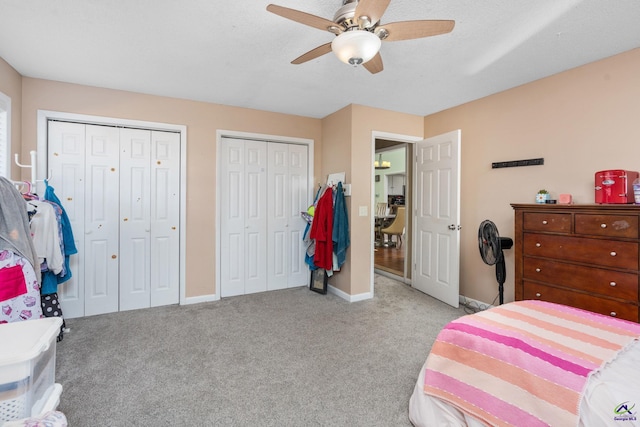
(615, 186)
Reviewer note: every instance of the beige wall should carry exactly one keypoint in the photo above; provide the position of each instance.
(202, 121)
(348, 146)
(11, 85)
(336, 157)
(579, 121)
(366, 121)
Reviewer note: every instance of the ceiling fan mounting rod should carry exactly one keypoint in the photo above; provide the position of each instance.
(345, 16)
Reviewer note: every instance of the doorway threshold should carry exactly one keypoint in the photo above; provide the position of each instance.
(391, 275)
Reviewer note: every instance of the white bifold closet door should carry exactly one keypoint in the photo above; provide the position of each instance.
(263, 189)
(288, 186)
(120, 188)
(149, 210)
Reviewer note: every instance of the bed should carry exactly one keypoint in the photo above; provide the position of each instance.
(531, 363)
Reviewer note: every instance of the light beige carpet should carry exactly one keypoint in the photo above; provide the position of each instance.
(280, 358)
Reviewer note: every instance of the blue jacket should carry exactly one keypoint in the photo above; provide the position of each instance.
(340, 235)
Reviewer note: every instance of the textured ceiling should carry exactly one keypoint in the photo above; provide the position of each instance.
(237, 53)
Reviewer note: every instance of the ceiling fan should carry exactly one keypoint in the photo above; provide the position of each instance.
(359, 32)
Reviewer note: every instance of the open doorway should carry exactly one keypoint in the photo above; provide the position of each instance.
(392, 207)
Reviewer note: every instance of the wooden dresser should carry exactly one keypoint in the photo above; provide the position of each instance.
(585, 256)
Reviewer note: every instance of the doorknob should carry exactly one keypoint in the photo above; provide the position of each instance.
(452, 227)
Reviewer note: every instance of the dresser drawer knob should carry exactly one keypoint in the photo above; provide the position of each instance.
(537, 270)
(613, 284)
(613, 253)
(538, 245)
(545, 222)
(603, 225)
(538, 295)
(613, 314)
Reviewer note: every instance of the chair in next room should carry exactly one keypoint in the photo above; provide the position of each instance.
(397, 227)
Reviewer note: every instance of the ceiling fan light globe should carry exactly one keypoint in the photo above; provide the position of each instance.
(356, 46)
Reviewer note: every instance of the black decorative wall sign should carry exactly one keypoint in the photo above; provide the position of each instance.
(516, 163)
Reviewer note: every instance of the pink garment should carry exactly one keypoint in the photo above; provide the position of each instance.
(16, 305)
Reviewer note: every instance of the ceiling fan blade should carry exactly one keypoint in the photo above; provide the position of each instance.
(305, 18)
(407, 30)
(374, 65)
(313, 54)
(374, 9)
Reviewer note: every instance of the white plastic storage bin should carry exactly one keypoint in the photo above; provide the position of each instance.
(27, 368)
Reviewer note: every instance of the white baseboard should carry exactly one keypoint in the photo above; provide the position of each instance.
(346, 296)
(474, 302)
(199, 299)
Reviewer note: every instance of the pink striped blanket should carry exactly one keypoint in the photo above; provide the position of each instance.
(523, 363)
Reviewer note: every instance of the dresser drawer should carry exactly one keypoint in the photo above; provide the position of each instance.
(606, 253)
(576, 299)
(607, 225)
(589, 279)
(554, 222)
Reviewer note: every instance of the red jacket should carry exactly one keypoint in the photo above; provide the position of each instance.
(322, 231)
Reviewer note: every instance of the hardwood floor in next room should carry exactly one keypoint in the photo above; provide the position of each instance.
(389, 259)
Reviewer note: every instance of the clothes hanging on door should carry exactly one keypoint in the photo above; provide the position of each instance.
(327, 235)
(340, 235)
(54, 243)
(19, 272)
(322, 231)
(50, 280)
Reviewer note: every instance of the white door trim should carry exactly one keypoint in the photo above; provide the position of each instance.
(411, 139)
(45, 115)
(220, 133)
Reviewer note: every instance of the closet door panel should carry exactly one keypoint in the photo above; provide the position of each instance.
(165, 218)
(232, 228)
(299, 199)
(255, 216)
(101, 220)
(135, 218)
(278, 207)
(66, 151)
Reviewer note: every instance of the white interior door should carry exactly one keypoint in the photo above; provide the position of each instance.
(436, 244)
(243, 217)
(298, 201)
(288, 196)
(101, 210)
(135, 218)
(66, 150)
(278, 210)
(165, 218)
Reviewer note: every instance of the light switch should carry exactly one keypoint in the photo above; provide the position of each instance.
(364, 211)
